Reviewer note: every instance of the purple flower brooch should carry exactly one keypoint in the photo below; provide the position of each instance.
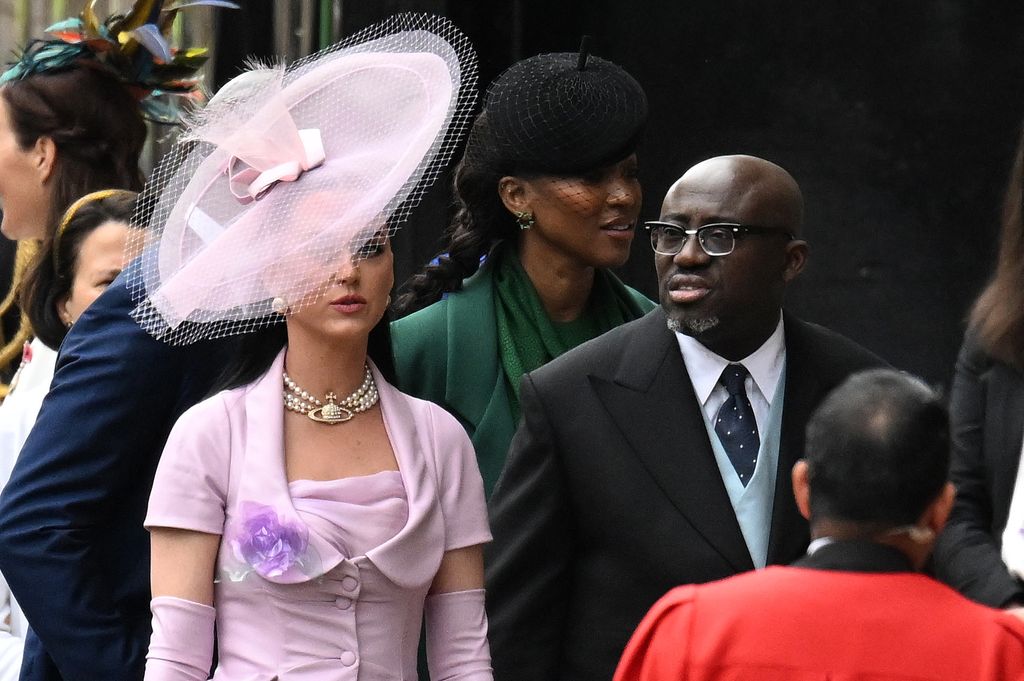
(266, 543)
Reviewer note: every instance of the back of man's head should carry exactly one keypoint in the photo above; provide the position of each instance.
(877, 450)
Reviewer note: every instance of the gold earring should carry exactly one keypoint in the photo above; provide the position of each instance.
(524, 219)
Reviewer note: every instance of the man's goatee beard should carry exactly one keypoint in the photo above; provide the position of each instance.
(692, 327)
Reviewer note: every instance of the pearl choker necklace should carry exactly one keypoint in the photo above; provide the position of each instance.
(301, 402)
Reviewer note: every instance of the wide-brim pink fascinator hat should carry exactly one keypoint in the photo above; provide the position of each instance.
(289, 171)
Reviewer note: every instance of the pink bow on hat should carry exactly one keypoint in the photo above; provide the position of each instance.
(250, 183)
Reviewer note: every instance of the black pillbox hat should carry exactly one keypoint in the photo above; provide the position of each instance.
(565, 113)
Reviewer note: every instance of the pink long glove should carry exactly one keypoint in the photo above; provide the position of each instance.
(182, 645)
(457, 637)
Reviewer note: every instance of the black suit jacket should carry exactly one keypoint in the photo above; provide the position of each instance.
(72, 545)
(611, 495)
(987, 422)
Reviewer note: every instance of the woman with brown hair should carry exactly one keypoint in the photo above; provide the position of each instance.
(58, 143)
(981, 551)
(73, 114)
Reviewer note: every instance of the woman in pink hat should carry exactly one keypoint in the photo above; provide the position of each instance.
(311, 512)
(73, 112)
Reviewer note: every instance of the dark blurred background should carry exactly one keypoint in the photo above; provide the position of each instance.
(899, 120)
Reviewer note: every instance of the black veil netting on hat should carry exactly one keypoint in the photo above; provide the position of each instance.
(562, 113)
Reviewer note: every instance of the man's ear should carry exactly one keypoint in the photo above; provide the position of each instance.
(44, 157)
(938, 511)
(514, 194)
(797, 252)
(802, 488)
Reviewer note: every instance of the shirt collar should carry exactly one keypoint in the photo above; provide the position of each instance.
(764, 364)
(813, 547)
(854, 555)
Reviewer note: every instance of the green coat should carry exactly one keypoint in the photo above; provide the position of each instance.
(448, 353)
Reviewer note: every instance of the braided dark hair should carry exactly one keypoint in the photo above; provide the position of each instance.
(480, 223)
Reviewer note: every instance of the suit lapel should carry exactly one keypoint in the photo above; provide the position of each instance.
(789, 533)
(650, 399)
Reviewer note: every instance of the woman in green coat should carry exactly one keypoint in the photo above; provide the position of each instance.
(547, 197)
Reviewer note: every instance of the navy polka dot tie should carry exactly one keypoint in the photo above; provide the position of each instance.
(735, 424)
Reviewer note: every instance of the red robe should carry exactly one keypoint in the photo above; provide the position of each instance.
(804, 624)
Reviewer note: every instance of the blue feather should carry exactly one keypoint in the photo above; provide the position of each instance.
(159, 112)
(182, 4)
(67, 25)
(149, 36)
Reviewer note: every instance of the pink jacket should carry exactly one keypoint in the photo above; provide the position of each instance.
(289, 602)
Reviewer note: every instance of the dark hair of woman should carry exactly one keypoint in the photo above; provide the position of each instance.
(99, 137)
(255, 352)
(52, 273)
(998, 314)
(480, 222)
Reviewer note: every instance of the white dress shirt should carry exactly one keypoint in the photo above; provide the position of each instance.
(17, 415)
(1013, 535)
(764, 364)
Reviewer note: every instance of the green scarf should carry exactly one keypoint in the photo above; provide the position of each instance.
(528, 339)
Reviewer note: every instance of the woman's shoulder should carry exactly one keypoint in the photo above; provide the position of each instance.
(475, 292)
(435, 421)
(425, 411)
(215, 411)
(231, 403)
(643, 302)
(434, 317)
(429, 319)
(419, 347)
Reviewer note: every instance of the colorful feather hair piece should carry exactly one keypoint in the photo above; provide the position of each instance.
(135, 46)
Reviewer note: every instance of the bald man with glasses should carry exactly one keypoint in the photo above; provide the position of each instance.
(659, 453)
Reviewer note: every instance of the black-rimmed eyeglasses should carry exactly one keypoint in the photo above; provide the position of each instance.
(717, 238)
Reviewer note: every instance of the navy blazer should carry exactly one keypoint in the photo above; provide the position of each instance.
(72, 544)
(611, 495)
